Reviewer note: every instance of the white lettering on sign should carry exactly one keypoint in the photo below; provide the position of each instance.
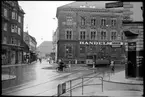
(101, 43)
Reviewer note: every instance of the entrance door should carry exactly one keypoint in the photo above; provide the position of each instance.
(132, 68)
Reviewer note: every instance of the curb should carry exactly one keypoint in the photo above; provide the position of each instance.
(6, 66)
(123, 82)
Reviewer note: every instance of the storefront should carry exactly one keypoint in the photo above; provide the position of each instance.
(77, 51)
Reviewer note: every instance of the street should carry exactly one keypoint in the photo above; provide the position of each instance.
(41, 79)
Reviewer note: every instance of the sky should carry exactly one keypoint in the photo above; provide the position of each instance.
(40, 17)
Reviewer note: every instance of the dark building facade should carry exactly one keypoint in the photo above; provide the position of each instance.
(87, 31)
(12, 33)
(134, 33)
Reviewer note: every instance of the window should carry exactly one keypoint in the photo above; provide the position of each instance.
(103, 35)
(13, 28)
(68, 49)
(16, 28)
(122, 36)
(93, 22)
(68, 34)
(5, 12)
(103, 22)
(5, 26)
(12, 40)
(19, 19)
(93, 34)
(82, 49)
(19, 31)
(82, 20)
(82, 35)
(16, 16)
(69, 20)
(113, 22)
(18, 42)
(13, 15)
(113, 35)
(4, 40)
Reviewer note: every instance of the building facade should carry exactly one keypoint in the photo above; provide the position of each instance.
(134, 33)
(88, 31)
(32, 45)
(12, 33)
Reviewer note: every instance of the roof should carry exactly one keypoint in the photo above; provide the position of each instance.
(88, 6)
(33, 38)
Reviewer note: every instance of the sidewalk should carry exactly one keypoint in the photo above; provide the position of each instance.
(117, 85)
(11, 76)
(119, 77)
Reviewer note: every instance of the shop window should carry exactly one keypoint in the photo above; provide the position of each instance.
(82, 49)
(68, 49)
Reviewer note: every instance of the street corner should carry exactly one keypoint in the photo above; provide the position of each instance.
(7, 77)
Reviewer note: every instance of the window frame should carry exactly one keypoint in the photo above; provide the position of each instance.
(69, 34)
(13, 15)
(93, 35)
(13, 29)
(82, 35)
(5, 26)
(5, 12)
(103, 22)
(103, 35)
(83, 21)
(113, 35)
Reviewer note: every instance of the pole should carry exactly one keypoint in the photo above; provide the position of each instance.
(102, 83)
(70, 89)
(82, 85)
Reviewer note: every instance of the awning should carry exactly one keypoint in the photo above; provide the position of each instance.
(129, 33)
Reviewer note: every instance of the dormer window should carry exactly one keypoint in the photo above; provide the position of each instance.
(92, 7)
(82, 6)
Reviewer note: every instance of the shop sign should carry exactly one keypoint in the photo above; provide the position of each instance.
(114, 4)
(95, 43)
(132, 46)
(101, 43)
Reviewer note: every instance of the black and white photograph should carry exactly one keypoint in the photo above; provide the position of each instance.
(72, 48)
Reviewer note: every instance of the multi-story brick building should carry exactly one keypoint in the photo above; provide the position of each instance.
(12, 32)
(32, 43)
(84, 30)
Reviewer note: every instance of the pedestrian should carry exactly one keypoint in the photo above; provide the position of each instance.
(69, 66)
(40, 60)
(112, 67)
(61, 65)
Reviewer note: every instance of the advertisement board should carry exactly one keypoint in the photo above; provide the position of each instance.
(114, 5)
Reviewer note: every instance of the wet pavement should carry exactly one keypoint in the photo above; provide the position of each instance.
(42, 79)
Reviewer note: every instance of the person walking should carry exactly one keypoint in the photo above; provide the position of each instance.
(69, 66)
(112, 67)
(40, 60)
